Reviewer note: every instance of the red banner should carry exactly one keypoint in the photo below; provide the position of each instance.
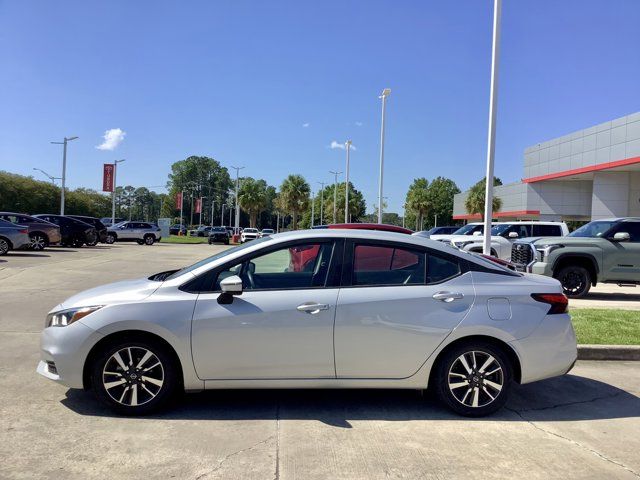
(198, 205)
(107, 177)
(179, 201)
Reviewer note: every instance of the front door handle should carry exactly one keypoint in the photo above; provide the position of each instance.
(447, 296)
(312, 307)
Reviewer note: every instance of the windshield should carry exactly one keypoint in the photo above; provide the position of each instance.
(250, 230)
(267, 230)
(593, 229)
(118, 224)
(217, 256)
(499, 229)
(467, 229)
(219, 229)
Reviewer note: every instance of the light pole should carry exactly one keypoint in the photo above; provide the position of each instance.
(237, 225)
(491, 140)
(322, 184)
(222, 214)
(385, 93)
(313, 206)
(64, 169)
(113, 194)
(335, 193)
(213, 204)
(347, 144)
(51, 177)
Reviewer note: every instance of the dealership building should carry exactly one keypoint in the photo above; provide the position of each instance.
(586, 175)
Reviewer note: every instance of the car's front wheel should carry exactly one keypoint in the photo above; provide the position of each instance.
(149, 239)
(111, 239)
(4, 246)
(575, 281)
(473, 379)
(134, 377)
(37, 241)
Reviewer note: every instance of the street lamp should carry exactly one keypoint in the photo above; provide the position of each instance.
(222, 214)
(347, 144)
(52, 178)
(335, 193)
(113, 194)
(64, 169)
(313, 206)
(236, 230)
(491, 140)
(385, 93)
(322, 184)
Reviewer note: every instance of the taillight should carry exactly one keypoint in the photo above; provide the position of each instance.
(26, 230)
(558, 301)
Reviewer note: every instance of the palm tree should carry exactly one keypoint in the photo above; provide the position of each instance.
(474, 203)
(252, 197)
(294, 194)
(419, 200)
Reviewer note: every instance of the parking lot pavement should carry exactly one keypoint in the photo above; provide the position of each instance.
(609, 296)
(582, 425)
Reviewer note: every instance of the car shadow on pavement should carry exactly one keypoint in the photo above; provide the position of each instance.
(612, 297)
(560, 399)
(28, 254)
(60, 249)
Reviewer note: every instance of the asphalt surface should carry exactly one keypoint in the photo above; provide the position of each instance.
(582, 425)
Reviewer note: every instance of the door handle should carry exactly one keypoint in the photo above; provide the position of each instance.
(312, 307)
(447, 296)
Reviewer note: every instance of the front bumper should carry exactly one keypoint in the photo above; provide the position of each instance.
(63, 352)
(550, 350)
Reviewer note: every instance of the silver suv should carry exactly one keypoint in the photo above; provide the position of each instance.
(132, 231)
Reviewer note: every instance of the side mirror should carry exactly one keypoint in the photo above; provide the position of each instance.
(230, 286)
(477, 233)
(621, 237)
(513, 235)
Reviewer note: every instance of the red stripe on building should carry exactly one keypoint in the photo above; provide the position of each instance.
(577, 171)
(512, 213)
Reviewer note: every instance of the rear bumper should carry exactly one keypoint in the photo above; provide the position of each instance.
(551, 349)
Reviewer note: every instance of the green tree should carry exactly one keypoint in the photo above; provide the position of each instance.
(252, 197)
(441, 193)
(474, 203)
(294, 196)
(419, 200)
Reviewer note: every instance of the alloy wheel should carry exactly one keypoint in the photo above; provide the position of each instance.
(573, 282)
(475, 379)
(149, 240)
(4, 246)
(133, 376)
(37, 242)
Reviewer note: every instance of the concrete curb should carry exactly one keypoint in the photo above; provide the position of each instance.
(608, 352)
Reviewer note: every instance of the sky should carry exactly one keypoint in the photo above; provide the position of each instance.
(271, 85)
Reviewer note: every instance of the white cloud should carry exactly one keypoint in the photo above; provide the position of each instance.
(359, 124)
(112, 138)
(335, 144)
(306, 125)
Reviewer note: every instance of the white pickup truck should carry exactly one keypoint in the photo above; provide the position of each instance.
(503, 234)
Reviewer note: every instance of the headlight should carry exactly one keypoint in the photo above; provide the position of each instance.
(461, 245)
(67, 317)
(543, 252)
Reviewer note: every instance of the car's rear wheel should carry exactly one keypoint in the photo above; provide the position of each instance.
(111, 239)
(575, 280)
(134, 377)
(149, 239)
(473, 379)
(77, 243)
(5, 246)
(37, 241)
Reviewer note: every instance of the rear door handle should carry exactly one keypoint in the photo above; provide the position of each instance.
(447, 296)
(312, 307)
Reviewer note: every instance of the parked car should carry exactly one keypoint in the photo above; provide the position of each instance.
(503, 234)
(219, 234)
(265, 232)
(12, 236)
(249, 317)
(437, 231)
(201, 231)
(249, 234)
(144, 233)
(382, 227)
(470, 229)
(97, 223)
(606, 251)
(177, 229)
(41, 233)
(74, 233)
(106, 221)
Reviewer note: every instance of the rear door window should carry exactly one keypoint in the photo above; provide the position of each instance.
(547, 231)
(387, 265)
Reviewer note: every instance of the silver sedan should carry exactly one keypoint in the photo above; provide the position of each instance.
(315, 309)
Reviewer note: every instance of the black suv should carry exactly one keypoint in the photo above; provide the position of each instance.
(219, 234)
(100, 227)
(74, 232)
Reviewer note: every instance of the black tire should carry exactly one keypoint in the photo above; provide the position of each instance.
(148, 396)
(111, 239)
(149, 239)
(38, 242)
(210, 242)
(5, 246)
(77, 243)
(92, 243)
(575, 280)
(473, 385)
(140, 242)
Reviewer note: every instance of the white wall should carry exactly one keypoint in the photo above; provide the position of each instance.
(610, 195)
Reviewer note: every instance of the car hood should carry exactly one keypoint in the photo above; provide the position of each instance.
(118, 292)
(575, 241)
